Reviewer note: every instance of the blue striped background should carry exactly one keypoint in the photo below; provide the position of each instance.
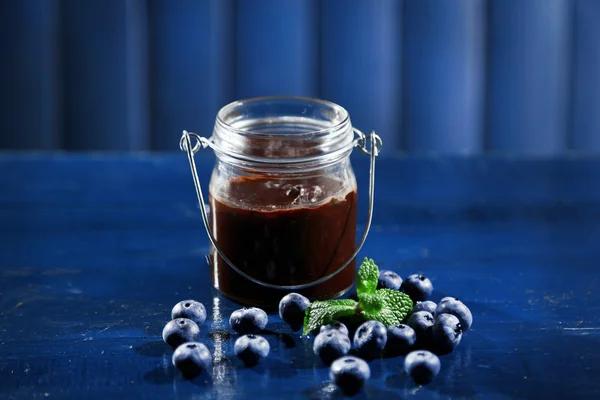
(452, 76)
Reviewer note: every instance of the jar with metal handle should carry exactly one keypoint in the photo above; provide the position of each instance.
(283, 198)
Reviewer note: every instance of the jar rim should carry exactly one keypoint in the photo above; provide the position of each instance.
(282, 130)
(220, 120)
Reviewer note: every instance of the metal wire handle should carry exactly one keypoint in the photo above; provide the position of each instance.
(185, 144)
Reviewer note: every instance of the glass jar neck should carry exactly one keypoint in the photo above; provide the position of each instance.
(279, 131)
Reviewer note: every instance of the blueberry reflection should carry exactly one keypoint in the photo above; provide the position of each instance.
(161, 375)
(156, 348)
(285, 339)
(261, 373)
(455, 380)
(166, 364)
(303, 357)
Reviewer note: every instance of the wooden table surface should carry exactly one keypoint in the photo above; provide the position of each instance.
(96, 249)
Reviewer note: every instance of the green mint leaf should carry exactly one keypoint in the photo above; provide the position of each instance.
(323, 312)
(387, 306)
(368, 274)
(370, 303)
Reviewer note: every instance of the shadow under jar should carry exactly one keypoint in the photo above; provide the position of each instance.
(283, 200)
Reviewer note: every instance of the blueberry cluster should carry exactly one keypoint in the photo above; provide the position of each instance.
(182, 332)
(250, 348)
(430, 330)
(192, 357)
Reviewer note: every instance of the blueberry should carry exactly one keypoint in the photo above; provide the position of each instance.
(349, 374)
(248, 320)
(417, 287)
(451, 305)
(292, 308)
(370, 339)
(422, 366)
(251, 349)
(331, 345)
(190, 309)
(192, 358)
(179, 331)
(446, 333)
(400, 339)
(335, 326)
(422, 323)
(389, 280)
(427, 305)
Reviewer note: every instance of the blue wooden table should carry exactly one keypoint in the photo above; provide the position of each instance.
(96, 249)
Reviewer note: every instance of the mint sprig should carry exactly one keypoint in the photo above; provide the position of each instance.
(368, 274)
(387, 306)
(323, 312)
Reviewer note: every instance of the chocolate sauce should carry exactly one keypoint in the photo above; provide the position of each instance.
(284, 234)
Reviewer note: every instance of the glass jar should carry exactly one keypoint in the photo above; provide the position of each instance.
(283, 200)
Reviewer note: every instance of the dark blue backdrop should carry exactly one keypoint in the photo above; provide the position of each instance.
(455, 76)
